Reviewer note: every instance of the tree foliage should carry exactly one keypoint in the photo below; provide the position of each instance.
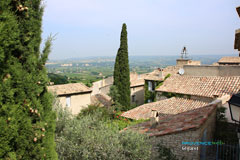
(121, 70)
(92, 137)
(27, 122)
(57, 79)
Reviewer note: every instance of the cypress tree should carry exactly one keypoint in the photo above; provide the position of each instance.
(27, 122)
(121, 70)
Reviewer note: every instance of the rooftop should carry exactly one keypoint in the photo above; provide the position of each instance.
(192, 119)
(71, 88)
(137, 82)
(164, 108)
(229, 60)
(159, 74)
(137, 79)
(101, 99)
(201, 86)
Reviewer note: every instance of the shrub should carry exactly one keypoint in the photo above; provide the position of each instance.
(87, 137)
(165, 153)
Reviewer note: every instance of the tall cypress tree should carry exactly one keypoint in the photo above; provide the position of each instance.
(121, 70)
(27, 122)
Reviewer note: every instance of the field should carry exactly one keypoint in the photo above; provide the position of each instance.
(89, 70)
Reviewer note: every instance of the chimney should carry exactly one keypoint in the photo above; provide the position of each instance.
(160, 72)
(154, 117)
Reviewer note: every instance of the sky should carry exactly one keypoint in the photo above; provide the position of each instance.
(87, 28)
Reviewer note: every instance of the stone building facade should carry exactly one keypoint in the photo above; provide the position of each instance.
(174, 141)
(176, 132)
(74, 96)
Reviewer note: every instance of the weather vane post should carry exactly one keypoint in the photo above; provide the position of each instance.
(184, 53)
(237, 35)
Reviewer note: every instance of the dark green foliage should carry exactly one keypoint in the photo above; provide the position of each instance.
(27, 122)
(57, 79)
(103, 112)
(113, 93)
(170, 95)
(225, 131)
(148, 95)
(152, 94)
(121, 70)
(165, 153)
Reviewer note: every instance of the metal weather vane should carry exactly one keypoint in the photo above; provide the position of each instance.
(184, 52)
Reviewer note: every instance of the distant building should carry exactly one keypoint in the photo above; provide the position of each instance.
(181, 62)
(66, 65)
(136, 85)
(75, 96)
(229, 61)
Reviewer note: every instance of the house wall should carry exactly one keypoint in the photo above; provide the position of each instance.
(96, 87)
(207, 70)
(174, 141)
(139, 95)
(105, 89)
(78, 102)
(181, 62)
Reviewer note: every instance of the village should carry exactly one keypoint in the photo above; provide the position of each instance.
(182, 108)
(180, 102)
(188, 110)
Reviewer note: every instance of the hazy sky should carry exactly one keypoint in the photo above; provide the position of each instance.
(155, 27)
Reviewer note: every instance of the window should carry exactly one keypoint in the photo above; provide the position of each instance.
(150, 86)
(133, 98)
(68, 101)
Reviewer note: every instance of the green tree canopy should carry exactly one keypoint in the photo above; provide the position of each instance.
(27, 122)
(121, 70)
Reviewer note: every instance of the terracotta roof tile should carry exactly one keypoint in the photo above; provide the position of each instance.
(157, 76)
(101, 99)
(180, 122)
(201, 86)
(229, 60)
(71, 88)
(164, 108)
(137, 82)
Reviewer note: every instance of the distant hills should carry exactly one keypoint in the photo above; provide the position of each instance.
(160, 61)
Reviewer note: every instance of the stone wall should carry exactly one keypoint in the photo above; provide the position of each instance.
(139, 95)
(174, 141)
(78, 102)
(209, 70)
(181, 62)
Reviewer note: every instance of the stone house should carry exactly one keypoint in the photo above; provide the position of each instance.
(163, 108)
(153, 79)
(136, 85)
(178, 131)
(204, 89)
(75, 96)
(137, 91)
